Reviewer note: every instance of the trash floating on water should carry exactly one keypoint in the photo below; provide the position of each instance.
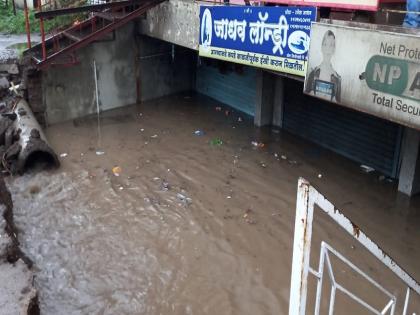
(218, 109)
(199, 133)
(116, 170)
(216, 141)
(63, 155)
(262, 164)
(239, 119)
(229, 197)
(165, 186)
(247, 217)
(100, 152)
(319, 175)
(367, 169)
(258, 144)
(142, 129)
(283, 157)
(183, 198)
(154, 136)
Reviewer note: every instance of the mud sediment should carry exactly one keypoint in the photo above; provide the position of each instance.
(17, 292)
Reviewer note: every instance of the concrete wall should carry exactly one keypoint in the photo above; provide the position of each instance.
(409, 178)
(175, 21)
(70, 92)
(164, 68)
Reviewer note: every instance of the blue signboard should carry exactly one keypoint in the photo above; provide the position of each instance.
(275, 38)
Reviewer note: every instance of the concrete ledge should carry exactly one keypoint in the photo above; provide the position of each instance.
(174, 21)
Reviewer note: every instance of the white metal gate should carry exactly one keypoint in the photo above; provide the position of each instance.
(307, 198)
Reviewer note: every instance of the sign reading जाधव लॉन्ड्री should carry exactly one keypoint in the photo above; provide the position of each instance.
(375, 72)
(275, 38)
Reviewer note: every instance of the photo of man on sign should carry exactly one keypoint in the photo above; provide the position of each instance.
(323, 81)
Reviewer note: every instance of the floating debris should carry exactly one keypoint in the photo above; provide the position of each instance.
(154, 136)
(165, 186)
(116, 170)
(100, 152)
(63, 155)
(367, 169)
(199, 133)
(183, 198)
(258, 144)
(216, 141)
(247, 217)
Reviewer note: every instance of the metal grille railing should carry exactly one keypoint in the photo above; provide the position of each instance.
(307, 198)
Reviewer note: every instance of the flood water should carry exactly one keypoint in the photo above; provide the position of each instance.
(192, 224)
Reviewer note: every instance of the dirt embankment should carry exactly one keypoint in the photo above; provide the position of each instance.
(17, 293)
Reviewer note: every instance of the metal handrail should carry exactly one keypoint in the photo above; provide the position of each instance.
(307, 198)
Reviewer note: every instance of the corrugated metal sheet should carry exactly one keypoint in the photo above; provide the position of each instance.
(360, 137)
(230, 87)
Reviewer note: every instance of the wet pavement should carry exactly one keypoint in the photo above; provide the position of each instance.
(193, 223)
(12, 45)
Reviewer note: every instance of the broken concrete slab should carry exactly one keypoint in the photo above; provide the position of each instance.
(17, 293)
(8, 55)
(11, 68)
(4, 83)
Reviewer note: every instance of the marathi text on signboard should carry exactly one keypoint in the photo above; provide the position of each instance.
(275, 38)
(344, 4)
(375, 72)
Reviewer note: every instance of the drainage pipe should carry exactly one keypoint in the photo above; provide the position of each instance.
(33, 144)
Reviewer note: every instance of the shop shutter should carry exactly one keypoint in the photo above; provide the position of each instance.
(231, 84)
(360, 137)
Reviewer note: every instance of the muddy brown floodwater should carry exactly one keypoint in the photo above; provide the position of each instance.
(187, 227)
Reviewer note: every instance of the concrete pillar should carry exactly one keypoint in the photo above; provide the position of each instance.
(265, 96)
(278, 102)
(409, 178)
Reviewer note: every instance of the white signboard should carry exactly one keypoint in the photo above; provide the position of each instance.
(372, 71)
(346, 4)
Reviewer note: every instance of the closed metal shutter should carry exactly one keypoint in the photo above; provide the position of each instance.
(234, 85)
(360, 137)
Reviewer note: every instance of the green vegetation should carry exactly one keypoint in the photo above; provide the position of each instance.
(11, 24)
